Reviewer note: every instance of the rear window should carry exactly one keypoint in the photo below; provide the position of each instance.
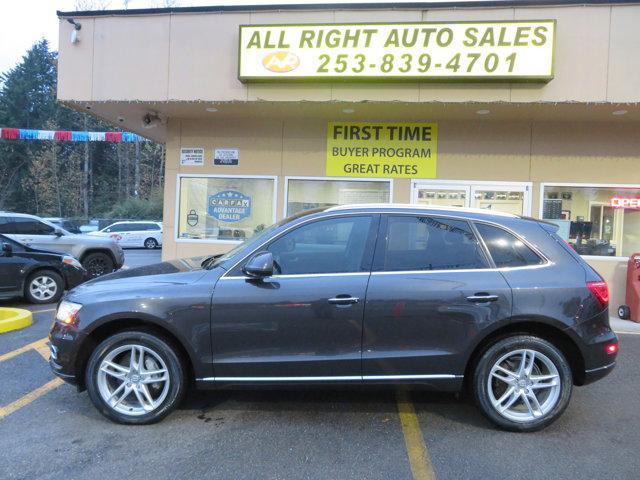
(506, 249)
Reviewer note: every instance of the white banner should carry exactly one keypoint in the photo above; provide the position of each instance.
(464, 51)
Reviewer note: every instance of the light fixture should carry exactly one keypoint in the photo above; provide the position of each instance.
(211, 109)
(348, 110)
(121, 119)
(619, 112)
(483, 112)
(74, 32)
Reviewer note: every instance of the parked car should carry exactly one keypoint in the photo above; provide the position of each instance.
(441, 298)
(69, 225)
(37, 275)
(97, 255)
(134, 234)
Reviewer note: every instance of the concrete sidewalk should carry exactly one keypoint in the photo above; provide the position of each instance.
(624, 326)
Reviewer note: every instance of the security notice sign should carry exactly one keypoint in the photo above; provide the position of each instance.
(399, 150)
(192, 156)
(451, 51)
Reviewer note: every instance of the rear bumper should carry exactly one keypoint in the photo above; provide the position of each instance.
(594, 374)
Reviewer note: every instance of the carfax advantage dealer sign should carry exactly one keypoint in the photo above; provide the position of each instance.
(428, 51)
(399, 150)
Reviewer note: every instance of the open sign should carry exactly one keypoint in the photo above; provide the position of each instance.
(625, 202)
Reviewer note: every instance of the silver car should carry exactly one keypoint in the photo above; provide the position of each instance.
(97, 255)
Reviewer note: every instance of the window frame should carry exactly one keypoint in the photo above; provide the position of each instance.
(180, 176)
(616, 258)
(544, 261)
(381, 245)
(339, 179)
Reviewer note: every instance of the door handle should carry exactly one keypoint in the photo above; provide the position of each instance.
(482, 297)
(343, 300)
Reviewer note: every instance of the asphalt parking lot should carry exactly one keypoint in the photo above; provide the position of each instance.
(48, 431)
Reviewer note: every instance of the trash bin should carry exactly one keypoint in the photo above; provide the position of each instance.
(631, 311)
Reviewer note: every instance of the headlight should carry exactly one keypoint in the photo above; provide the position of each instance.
(67, 312)
(71, 261)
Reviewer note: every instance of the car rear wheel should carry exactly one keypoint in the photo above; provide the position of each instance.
(150, 243)
(44, 286)
(522, 383)
(135, 377)
(97, 264)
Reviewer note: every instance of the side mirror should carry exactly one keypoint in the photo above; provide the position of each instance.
(260, 265)
(58, 232)
(7, 249)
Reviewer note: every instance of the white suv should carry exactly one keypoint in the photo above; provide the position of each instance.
(97, 255)
(133, 234)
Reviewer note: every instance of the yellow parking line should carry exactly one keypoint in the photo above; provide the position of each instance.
(29, 397)
(419, 459)
(38, 344)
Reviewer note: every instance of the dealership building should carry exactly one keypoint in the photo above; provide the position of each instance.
(519, 106)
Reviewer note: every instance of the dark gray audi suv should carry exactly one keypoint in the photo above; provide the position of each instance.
(441, 298)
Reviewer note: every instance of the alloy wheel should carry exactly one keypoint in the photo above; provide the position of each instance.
(133, 380)
(96, 267)
(524, 385)
(43, 288)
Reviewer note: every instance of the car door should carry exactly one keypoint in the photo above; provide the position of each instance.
(432, 289)
(136, 236)
(11, 268)
(304, 323)
(37, 234)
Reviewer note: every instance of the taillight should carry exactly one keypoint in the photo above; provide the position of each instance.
(611, 349)
(600, 291)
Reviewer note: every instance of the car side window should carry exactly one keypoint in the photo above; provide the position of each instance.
(336, 245)
(115, 228)
(152, 226)
(506, 249)
(428, 243)
(29, 226)
(6, 225)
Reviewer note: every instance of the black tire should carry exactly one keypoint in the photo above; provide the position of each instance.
(97, 264)
(150, 243)
(163, 348)
(482, 372)
(39, 297)
(624, 312)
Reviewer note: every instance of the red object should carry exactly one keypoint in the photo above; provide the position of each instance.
(113, 136)
(600, 290)
(624, 202)
(62, 135)
(611, 349)
(633, 287)
(10, 133)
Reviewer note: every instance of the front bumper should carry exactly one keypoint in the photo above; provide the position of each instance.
(65, 344)
(74, 276)
(118, 255)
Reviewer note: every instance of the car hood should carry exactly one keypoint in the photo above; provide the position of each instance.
(91, 239)
(177, 272)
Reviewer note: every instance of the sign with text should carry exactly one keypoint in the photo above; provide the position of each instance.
(226, 156)
(192, 156)
(229, 206)
(458, 51)
(399, 150)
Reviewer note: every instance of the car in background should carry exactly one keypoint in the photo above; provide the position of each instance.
(133, 234)
(98, 256)
(69, 225)
(37, 275)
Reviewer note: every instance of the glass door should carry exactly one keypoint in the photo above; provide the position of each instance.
(444, 195)
(508, 198)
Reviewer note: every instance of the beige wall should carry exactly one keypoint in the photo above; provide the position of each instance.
(193, 56)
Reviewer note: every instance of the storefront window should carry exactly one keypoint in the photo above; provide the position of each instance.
(305, 194)
(595, 220)
(220, 208)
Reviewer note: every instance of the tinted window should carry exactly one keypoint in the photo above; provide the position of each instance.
(117, 228)
(5, 225)
(428, 243)
(326, 246)
(29, 226)
(152, 226)
(506, 249)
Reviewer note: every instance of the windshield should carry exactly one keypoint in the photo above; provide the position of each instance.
(215, 260)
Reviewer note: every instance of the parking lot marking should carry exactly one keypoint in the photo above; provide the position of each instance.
(419, 459)
(39, 345)
(29, 397)
(44, 311)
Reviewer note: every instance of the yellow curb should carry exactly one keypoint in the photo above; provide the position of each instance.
(14, 319)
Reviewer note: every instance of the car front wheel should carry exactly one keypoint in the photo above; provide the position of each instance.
(150, 243)
(135, 377)
(522, 383)
(97, 264)
(44, 286)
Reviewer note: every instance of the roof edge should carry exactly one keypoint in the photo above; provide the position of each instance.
(344, 6)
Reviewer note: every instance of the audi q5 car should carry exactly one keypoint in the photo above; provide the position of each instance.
(438, 298)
